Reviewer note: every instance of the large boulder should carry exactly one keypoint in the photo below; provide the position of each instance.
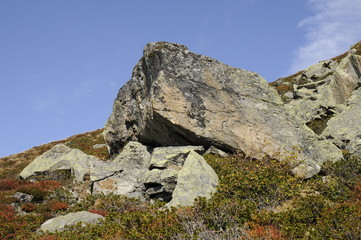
(61, 157)
(176, 97)
(60, 222)
(165, 165)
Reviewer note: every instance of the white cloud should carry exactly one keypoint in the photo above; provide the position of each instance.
(330, 31)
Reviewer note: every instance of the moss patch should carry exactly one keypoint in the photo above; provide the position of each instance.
(318, 125)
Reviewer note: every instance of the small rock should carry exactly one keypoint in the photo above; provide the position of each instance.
(215, 151)
(23, 197)
(97, 146)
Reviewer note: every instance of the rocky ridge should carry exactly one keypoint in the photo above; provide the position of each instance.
(325, 96)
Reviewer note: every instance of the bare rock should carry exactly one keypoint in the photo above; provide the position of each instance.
(215, 151)
(179, 98)
(322, 90)
(166, 162)
(344, 130)
(163, 157)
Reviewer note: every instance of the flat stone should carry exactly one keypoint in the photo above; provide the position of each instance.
(59, 223)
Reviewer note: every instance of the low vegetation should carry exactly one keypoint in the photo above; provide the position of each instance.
(256, 199)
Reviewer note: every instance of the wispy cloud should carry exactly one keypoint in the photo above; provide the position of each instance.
(85, 88)
(330, 31)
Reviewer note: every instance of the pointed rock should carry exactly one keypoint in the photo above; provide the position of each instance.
(60, 157)
(178, 98)
(195, 179)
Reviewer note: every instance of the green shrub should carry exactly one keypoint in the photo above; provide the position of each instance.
(342, 221)
(266, 182)
(343, 176)
(38, 193)
(85, 143)
(298, 220)
(14, 226)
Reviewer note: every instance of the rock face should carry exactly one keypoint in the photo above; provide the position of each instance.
(133, 162)
(177, 98)
(58, 223)
(344, 130)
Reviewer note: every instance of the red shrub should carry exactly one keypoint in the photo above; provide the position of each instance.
(48, 185)
(102, 212)
(264, 232)
(7, 184)
(28, 207)
(356, 193)
(59, 206)
(48, 237)
(7, 213)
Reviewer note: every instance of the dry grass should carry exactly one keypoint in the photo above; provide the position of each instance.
(11, 166)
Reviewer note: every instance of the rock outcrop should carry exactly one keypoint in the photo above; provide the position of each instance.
(60, 222)
(326, 96)
(322, 90)
(176, 98)
(166, 164)
(344, 129)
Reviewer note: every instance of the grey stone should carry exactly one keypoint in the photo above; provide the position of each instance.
(160, 184)
(179, 98)
(215, 151)
(161, 179)
(60, 157)
(23, 197)
(125, 172)
(344, 130)
(324, 88)
(134, 155)
(98, 146)
(195, 179)
(59, 223)
(104, 169)
(162, 157)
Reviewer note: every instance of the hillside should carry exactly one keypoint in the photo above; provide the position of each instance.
(263, 192)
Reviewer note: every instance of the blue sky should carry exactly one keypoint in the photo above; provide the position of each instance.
(62, 62)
